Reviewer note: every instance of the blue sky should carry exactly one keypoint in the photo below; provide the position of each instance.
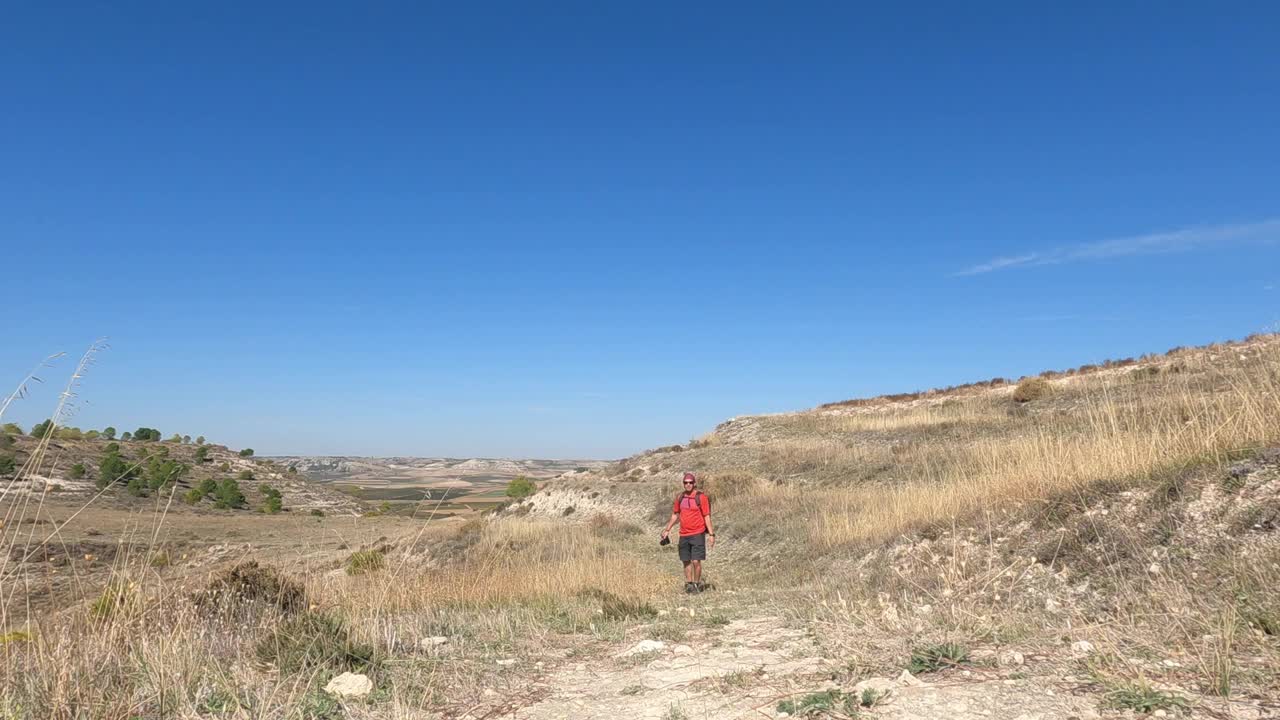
(579, 231)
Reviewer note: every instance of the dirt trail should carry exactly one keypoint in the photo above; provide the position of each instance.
(752, 665)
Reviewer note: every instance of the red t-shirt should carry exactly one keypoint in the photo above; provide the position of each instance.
(693, 510)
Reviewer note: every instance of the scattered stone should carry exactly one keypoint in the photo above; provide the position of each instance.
(349, 685)
(1083, 647)
(1051, 605)
(1010, 658)
(682, 650)
(906, 679)
(507, 662)
(644, 646)
(1154, 568)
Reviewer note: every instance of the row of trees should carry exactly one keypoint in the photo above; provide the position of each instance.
(142, 434)
(148, 474)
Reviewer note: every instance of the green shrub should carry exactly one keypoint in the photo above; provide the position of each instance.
(521, 487)
(186, 439)
(7, 464)
(229, 495)
(202, 455)
(39, 430)
(13, 429)
(6, 442)
(317, 512)
(245, 475)
(117, 598)
(109, 432)
(225, 466)
(271, 499)
(247, 452)
(314, 641)
(69, 433)
(1032, 388)
(113, 468)
(936, 657)
(1142, 698)
(200, 440)
(175, 439)
(192, 496)
(161, 472)
(127, 436)
(365, 561)
(76, 472)
(137, 487)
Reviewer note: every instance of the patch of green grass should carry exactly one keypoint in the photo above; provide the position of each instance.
(619, 608)
(819, 703)
(668, 632)
(936, 657)
(1142, 698)
(871, 697)
(633, 690)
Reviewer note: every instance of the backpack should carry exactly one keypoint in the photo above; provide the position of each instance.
(697, 498)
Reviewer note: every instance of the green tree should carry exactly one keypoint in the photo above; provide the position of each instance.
(229, 495)
(127, 436)
(146, 434)
(7, 464)
(113, 468)
(521, 487)
(76, 472)
(109, 432)
(69, 433)
(247, 452)
(200, 440)
(163, 471)
(92, 434)
(13, 429)
(202, 455)
(176, 439)
(186, 439)
(39, 430)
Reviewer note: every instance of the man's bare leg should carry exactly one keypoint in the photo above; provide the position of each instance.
(696, 571)
(688, 571)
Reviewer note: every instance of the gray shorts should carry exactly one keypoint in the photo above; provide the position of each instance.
(693, 547)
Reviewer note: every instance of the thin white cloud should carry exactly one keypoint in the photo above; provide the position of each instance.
(1152, 244)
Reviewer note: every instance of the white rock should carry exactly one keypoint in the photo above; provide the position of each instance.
(1051, 605)
(906, 679)
(880, 686)
(434, 641)
(644, 646)
(1010, 658)
(349, 685)
(1154, 568)
(682, 650)
(1083, 647)
(507, 662)
(1160, 713)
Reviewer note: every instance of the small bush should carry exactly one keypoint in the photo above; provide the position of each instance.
(39, 430)
(1142, 698)
(317, 512)
(820, 703)
(614, 607)
(229, 495)
(314, 641)
(117, 598)
(202, 455)
(364, 561)
(7, 464)
(247, 452)
(936, 657)
(245, 475)
(76, 472)
(521, 487)
(12, 429)
(271, 499)
(1033, 388)
(251, 583)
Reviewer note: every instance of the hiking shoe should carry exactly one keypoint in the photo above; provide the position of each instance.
(690, 588)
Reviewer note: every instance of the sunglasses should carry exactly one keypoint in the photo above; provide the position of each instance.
(688, 482)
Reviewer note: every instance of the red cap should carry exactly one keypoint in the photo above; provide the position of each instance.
(689, 476)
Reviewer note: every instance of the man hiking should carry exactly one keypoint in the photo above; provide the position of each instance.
(692, 509)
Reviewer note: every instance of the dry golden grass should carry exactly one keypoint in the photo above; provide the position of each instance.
(1111, 434)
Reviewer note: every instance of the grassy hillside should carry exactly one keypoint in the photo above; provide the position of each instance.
(1111, 534)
